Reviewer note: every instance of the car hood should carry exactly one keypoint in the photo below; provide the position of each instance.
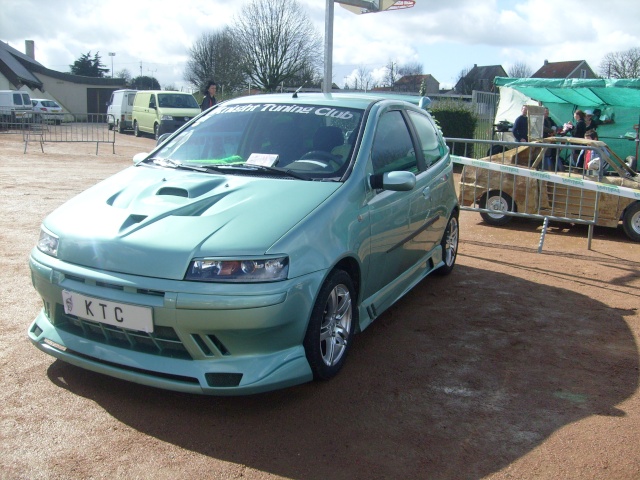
(153, 222)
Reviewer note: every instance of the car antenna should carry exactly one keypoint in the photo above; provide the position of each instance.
(295, 94)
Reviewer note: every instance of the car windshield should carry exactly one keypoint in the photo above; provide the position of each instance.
(49, 103)
(177, 100)
(305, 141)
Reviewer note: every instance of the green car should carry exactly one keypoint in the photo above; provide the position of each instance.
(247, 250)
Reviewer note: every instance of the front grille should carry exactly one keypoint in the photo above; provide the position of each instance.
(142, 291)
(163, 341)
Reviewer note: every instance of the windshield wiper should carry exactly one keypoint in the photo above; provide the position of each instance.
(171, 163)
(278, 171)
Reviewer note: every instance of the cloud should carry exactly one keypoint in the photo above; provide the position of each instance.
(445, 37)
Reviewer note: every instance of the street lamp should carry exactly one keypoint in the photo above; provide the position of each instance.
(358, 7)
(112, 54)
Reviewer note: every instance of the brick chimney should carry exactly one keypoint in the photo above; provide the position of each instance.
(30, 49)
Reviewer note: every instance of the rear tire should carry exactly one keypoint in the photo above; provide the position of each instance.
(156, 131)
(136, 129)
(631, 221)
(449, 244)
(500, 202)
(120, 128)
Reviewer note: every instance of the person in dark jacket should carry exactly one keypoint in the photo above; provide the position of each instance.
(520, 128)
(209, 99)
(580, 128)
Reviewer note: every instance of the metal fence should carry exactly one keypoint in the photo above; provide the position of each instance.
(525, 182)
(67, 127)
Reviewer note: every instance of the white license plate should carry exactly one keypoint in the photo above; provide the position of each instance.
(124, 315)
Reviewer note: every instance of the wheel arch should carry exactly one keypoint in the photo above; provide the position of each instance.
(625, 209)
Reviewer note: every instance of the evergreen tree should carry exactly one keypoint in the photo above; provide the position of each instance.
(89, 67)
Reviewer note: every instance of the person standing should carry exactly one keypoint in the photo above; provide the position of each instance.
(520, 128)
(549, 127)
(209, 99)
(581, 126)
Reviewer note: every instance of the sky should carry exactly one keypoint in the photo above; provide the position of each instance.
(153, 37)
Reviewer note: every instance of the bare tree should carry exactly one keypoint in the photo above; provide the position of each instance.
(391, 75)
(309, 76)
(215, 56)
(125, 75)
(520, 70)
(411, 68)
(621, 64)
(278, 42)
(363, 78)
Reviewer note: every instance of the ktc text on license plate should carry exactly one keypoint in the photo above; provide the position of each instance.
(122, 315)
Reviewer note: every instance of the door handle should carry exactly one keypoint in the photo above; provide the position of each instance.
(426, 193)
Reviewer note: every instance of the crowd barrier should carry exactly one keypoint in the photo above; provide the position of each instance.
(66, 127)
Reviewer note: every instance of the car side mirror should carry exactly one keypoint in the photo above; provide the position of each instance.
(138, 157)
(395, 181)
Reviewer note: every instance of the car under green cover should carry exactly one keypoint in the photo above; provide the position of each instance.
(246, 251)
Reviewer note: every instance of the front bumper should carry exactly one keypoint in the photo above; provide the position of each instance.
(218, 339)
(170, 126)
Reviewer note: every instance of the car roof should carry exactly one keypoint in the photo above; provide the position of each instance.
(351, 99)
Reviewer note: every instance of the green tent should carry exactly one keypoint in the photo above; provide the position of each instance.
(618, 100)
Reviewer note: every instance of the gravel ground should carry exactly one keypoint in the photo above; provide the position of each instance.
(518, 365)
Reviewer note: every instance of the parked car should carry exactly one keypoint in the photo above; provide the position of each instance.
(568, 200)
(15, 106)
(159, 111)
(120, 110)
(245, 252)
(47, 110)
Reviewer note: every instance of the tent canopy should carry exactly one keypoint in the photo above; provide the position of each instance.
(619, 101)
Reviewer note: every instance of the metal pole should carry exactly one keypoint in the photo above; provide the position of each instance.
(328, 47)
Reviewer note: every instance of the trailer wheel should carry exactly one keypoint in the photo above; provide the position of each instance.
(631, 221)
(500, 202)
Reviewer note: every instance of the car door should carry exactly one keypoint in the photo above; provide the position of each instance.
(433, 181)
(399, 220)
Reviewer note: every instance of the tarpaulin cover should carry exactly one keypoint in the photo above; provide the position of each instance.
(619, 100)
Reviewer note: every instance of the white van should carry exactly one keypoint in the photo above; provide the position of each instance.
(14, 105)
(162, 111)
(119, 110)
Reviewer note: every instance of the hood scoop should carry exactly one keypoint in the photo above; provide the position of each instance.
(131, 221)
(173, 192)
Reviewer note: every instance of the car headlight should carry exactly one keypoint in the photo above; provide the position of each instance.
(48, 242)
(166, 117)
(239, 271)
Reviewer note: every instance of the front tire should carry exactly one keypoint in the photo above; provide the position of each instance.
(449, 244)
(331, 326)
(631, 222)
(136, 129)
(499, 202)
(156, 131)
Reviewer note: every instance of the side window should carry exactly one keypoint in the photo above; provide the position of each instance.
(392, 145)
(152, 101)
(432, 148)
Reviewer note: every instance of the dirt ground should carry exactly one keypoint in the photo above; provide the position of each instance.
(518, 365)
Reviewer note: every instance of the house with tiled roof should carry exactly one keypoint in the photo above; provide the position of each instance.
(571, 69)
(412, 84)
(479, 79)
(77, 94)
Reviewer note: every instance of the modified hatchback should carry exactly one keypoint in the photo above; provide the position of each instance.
(245, 252)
